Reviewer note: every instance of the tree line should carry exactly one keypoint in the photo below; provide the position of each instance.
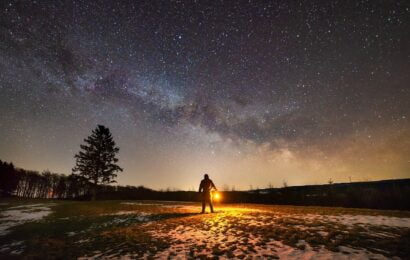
(47, 185)
(96, 165)
(19, 182)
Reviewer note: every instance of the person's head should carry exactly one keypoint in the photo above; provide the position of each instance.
(206, 177)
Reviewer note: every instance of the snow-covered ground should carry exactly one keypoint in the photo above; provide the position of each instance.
(18, 215)
(369, 220)
(170, 229)
(215, 239)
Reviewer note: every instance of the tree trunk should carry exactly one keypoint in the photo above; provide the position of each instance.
(94, 191)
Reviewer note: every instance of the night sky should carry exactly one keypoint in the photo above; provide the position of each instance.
(250, 92)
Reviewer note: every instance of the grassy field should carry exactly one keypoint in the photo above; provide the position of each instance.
(158, 229)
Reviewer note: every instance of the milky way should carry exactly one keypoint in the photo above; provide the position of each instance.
(251, 92)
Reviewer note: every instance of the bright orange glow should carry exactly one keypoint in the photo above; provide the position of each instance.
(216, 196)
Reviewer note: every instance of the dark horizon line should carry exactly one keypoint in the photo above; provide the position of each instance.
(168, 189)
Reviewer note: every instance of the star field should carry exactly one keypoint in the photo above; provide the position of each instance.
(251, 92)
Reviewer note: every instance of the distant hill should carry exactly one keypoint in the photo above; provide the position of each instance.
(384, 194)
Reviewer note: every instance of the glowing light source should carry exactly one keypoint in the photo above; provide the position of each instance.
(216, 196)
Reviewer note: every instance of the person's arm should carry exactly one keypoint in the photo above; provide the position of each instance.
(213, 185)
(201, 187)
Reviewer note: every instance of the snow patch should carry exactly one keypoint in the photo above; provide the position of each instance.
(124, 212)
(70, 234)
(18, 215)
(371, 220)
(191, 243)
(286, 252)
(8, 246)
(350, 220)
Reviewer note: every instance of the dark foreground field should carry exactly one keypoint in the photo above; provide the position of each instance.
(158, 229)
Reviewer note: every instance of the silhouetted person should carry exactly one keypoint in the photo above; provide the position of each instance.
(206, 187)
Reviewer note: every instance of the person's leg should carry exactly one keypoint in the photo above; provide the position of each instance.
(203, 205)
(211, 206)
